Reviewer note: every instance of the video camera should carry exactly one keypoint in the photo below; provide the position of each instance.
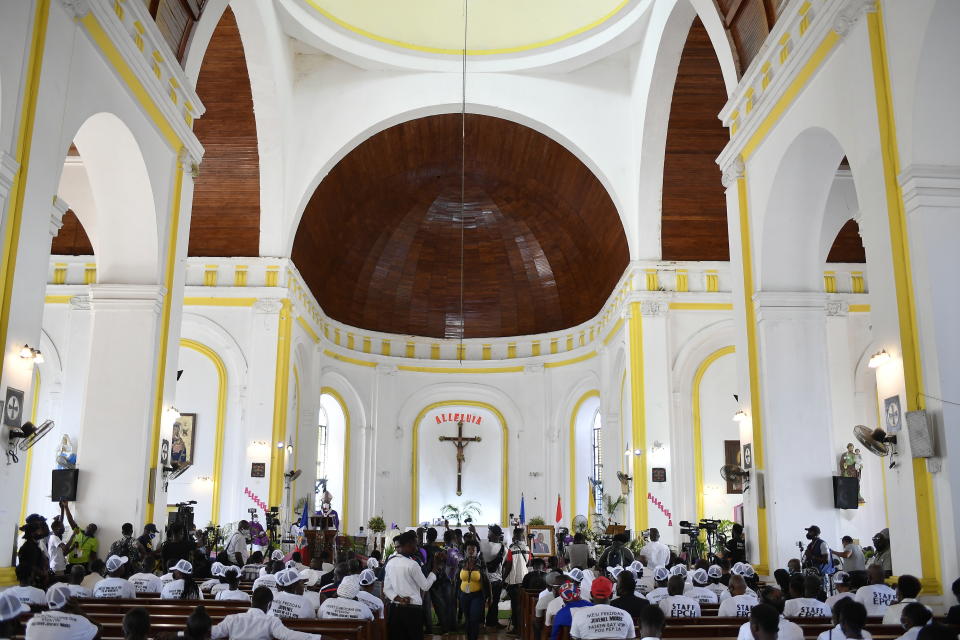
(688, 528)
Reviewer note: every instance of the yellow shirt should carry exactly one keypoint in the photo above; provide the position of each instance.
(470, 581)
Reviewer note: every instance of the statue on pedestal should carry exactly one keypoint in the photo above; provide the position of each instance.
(851, 466)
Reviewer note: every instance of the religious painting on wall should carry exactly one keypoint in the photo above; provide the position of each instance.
(183, 440)
(542, 540)
(892, 414)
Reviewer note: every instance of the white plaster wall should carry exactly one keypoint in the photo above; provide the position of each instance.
(717, 407)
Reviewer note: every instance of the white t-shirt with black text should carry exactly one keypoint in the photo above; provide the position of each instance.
(680, 607)
(876, 598)
(59, 625)
(30, 596)
(787, 631)
(373, 602)
(837, 597)
(146, 583)
(601, 621)
(174, 591)
(806, 608)
(238, 596)
(344, 609)
(114, 588)
(655, 596)
(291, 605)
(737, 606)
(702, 595)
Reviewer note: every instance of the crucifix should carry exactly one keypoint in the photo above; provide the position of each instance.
(460, 443)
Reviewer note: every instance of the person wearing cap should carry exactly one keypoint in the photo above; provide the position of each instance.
(772, 596)
(654, 553)
(289, 602)
(216, 573)
(805, 604)
(660, 578)
(402, 586)
(876, 596)
(570, 594)
(740, 569)
(908, 588)
(268, 576)
(677, 605)
(699, 591)
(231, 586)
(368, 582)
(236, 546)
(617, 554)
(26, 590)
(738, 602)
(33, 551)
(714, 577)
(554, 606)
(62, 620)
(645, 581)
(147, 581)
(10, 611)
(852, 555)
(817, 553)
(145, 540)
(602, 620)
(841, 582)
(74, 582)
(84, 544)
(115, 585)
(550, 593)
(255, 624)
(626, 595)
(182, 587)
(345, 606)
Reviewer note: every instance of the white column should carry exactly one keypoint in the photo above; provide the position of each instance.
(116, 427)
(798, 443)
(931, 197)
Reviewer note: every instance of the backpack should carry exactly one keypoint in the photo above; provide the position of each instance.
(494, 565)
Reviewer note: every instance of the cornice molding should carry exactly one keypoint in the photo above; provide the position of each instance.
(930, 186)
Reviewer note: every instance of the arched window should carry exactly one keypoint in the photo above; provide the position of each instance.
(331, 436)
(596, 439)
(322, 449)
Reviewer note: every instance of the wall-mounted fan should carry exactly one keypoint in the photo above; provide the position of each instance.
(876, 441)
(29, 434)
(734, 473)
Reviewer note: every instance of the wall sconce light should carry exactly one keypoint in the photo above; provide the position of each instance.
(879, 359)
(290, 447)
(741, 416)
(29, 353)
(280, 444)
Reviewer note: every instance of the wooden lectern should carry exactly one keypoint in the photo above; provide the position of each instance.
(321, 537)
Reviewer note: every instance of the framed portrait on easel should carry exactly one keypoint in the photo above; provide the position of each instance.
(542, 540)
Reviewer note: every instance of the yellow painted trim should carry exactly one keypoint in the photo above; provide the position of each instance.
(613, 332)
(701, 306)
(505, 457)
(57, 299)
(218, 438)
(8, 577)
(563, 363)
(15, 199)
(906, 300)
(306, 327)
(638, 417)
(859, 308)
(346, 453)
(697, 425)
(753, 365)
(291, 508)
(220, 302)
(462, 370)
(281, 390)
(473, 52)
(113, 55)
(593, 393)
(348, 360)
(28, 464)
(164, 326)
(790, 94)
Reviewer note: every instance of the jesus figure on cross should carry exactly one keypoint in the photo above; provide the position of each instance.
(460, 443)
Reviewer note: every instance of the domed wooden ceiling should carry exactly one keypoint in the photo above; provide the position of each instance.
(379, 241)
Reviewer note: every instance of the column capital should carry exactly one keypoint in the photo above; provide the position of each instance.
(268, 305)
(653, 308)
(126, 297)
(732, 171)
(57, 212)
(848, 17)
(533, 368)
(838, 308)
(784, 304)
(80, 303)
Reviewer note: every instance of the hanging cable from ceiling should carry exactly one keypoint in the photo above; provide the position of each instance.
(463, 175)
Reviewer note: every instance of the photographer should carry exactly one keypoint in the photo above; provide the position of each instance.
(736, 546)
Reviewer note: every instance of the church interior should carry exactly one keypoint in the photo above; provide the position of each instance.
(580, 267)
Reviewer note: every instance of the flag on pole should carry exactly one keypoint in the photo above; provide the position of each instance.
(523, 511)
(592, 504)
(559, 509)
(305, 516)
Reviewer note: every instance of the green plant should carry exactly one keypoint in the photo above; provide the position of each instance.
(376, 524)
(388, 551)
(611, 506)
(469, 509)
(536, 521)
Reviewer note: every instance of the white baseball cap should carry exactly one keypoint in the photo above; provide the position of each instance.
(636, 568)
(660, 573)
(58, 595)
(183, 567)
(737, 569)
(715, 571)
(276, 555)
(373, 563)
(231, 571)
(616, 571)
(700, 577)
(11, 607)
(575, 574)
(367, 577)
(216, 569)
(678, 570)
(115, 562)
(288, 577)
(309, 576)
(841, 577)
(747, 571)
(349, 587)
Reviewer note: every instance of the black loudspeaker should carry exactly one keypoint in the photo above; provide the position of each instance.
(846, 492)
(63, 485)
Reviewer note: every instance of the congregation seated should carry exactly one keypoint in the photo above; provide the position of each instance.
(26, 591)
(627, 598)
(849, 618)
(787, 630)
(256, 624)
(97, 570)
(660, 577)
(739, 603)
(803, 603)
(11, 610)
(908, 588)
(876, 596)
(136, 624)
(913, 617)
(601, 620)
(146, 580)
(289, 601)
(570, 596)
(115, 585)
(345, 606)
(231, 586)
(698, 589)
(842, 582)
(62, 619)
(367, 595)
(216, 573)
(677, 605)
(183, 586)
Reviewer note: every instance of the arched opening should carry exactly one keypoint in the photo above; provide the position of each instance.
(586, 451)
(331, 441)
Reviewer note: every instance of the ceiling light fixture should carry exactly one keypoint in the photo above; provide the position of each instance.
(879, 359)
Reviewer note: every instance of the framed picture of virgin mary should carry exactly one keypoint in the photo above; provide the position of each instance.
(183, 440)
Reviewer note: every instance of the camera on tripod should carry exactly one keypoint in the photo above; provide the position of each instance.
(688, 528)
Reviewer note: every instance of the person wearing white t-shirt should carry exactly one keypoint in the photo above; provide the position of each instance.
(57, 548)
(714, 575)
(182, 586)
(850, 617)
(26, 592)
(876, 596)
(255, 624)
(268, 580)
(231, 588)
(841, 582)
(368, 582)
(601, 620)
(659, 591)
(345, 606)
(908, 588)
(289, 602)
(773, 597)
(739, 603)
(914, 617)
(147, 581)
(804, 603)
(552, 609)
(115, 585)
(654, 553)
(216, 572)
(677, 605)
(698, 589)
(765, 623)
(62, 620)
